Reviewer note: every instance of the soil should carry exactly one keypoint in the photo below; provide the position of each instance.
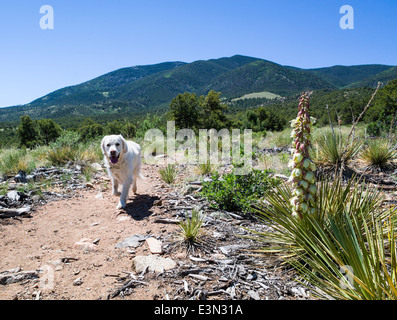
(46, 242)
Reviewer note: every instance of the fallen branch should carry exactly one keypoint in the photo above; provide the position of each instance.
(10, 213)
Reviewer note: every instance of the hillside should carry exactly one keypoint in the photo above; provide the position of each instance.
(342, 76)
(141, 89)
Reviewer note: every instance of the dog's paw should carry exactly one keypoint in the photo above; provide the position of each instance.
(121, 205)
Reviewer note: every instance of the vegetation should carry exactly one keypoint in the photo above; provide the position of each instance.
(233, 192)
(378, 153)
(191, 231)
(329, 147)
(345, 230)
(344, 247)
(169, 173)
(321, 229)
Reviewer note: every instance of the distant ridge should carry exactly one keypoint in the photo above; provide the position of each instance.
(145, 88)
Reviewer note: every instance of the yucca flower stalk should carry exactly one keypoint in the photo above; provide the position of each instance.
(303, 168)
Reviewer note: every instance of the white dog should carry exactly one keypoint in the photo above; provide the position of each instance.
(123, 162)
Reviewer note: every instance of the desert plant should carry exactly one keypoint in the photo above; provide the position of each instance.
(169, 173)
(204, 169)
(344, 235)
(329, 149)
(378, 153)
(346, 229)
(191, 231)
(302, 175)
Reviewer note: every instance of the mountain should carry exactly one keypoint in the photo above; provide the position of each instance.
(384, 77)
(343, 76)
(141, 89)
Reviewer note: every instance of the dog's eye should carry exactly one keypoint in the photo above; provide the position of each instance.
(117, 144)
(108, 145)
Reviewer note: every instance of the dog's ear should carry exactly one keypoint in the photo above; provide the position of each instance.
(123, 144)
(103, 145)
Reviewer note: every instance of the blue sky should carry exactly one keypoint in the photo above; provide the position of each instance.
(93, 37)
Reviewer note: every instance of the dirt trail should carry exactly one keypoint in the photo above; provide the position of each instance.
(47, 242)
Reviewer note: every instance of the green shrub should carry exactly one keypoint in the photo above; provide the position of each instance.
(233, 192)
(67, 138)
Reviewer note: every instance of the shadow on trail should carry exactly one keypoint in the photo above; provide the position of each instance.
(140, 206)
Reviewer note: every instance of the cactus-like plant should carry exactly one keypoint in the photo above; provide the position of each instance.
(303, 168)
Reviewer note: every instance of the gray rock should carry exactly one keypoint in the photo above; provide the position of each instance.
(152, 263)
(21, 177)
(16, 275)
(14, 195)
(133, 241)
(253, 295)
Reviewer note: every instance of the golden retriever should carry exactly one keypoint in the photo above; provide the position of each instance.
(123, 162)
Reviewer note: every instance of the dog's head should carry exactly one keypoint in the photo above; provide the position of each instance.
(113, 147)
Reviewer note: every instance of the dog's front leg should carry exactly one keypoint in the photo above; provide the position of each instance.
(115, 186)
(124, 194)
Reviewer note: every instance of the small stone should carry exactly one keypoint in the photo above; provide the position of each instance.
(96, 166)
(85, 245)
(152, 263)
(133, 241)
(99, 195)
(155, 246)
(78, 282)
(253, 295)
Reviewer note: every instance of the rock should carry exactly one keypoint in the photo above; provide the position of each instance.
(16, 275)
(253, 295)
(97, 166)
(85, 245)
(152, 263)
(133, 241)
(155, 246)
(233, 247)
(21, 177)
(219, 215)
(15, 195)
(99, 195)
(78, 282)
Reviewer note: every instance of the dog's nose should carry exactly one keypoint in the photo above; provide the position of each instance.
(113, 152)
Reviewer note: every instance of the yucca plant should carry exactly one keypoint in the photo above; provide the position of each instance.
(344, 230)
(329, 149)
(205, 169)
(378, 154)
(347, 229)
(169, 173)
(191, 231)
(302, 175)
